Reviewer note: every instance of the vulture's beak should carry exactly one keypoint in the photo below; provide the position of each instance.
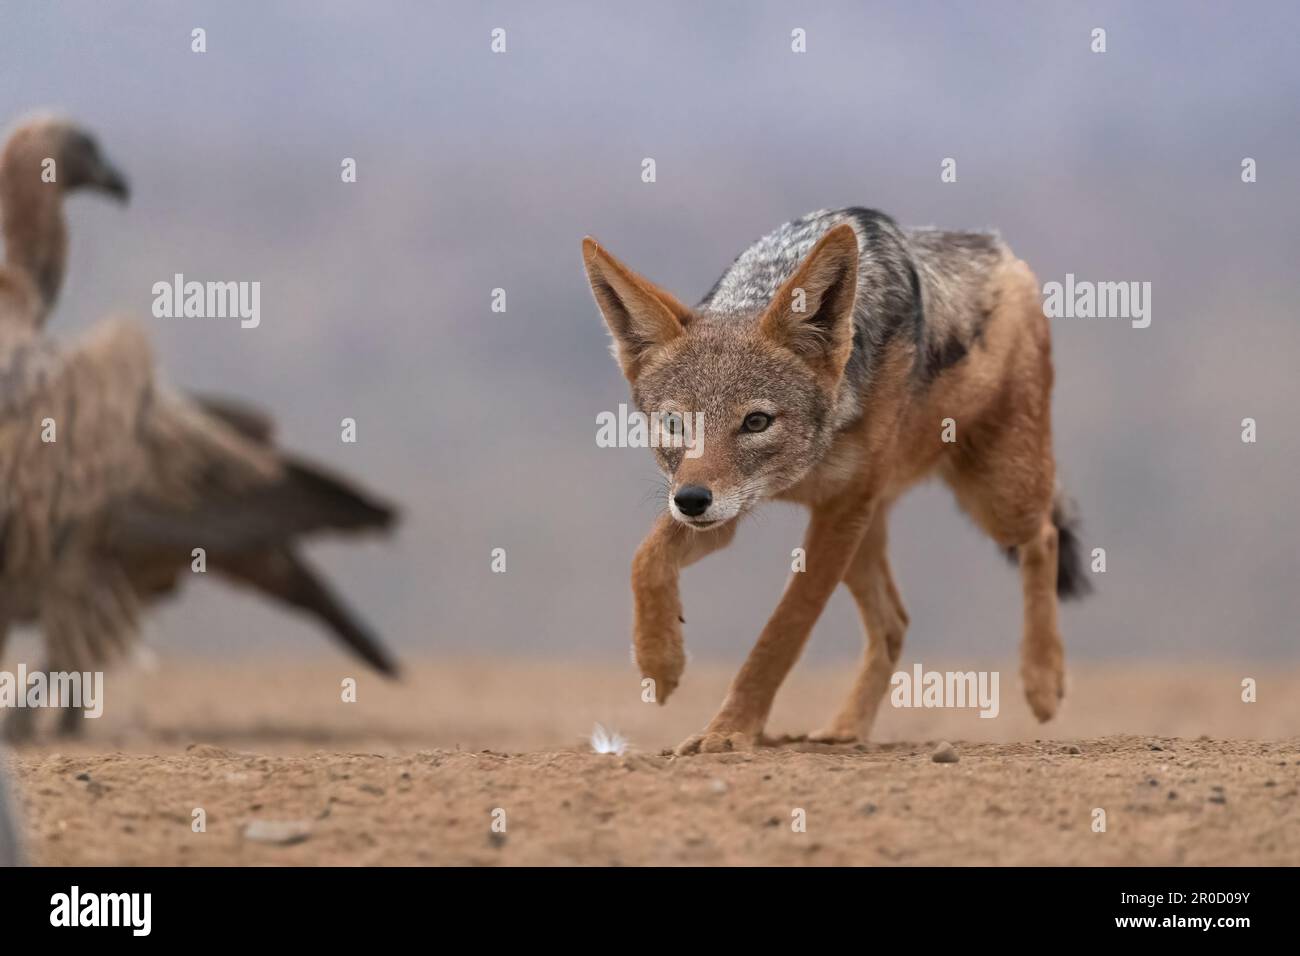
(109, 179)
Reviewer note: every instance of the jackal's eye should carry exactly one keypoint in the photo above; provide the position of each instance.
(756, 422)
(672, 423)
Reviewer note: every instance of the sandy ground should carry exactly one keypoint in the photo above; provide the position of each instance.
(416, 773)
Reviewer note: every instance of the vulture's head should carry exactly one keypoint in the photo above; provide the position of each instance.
(54, 151)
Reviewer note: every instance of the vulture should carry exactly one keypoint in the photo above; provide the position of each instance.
(111, 479)
(10, 851)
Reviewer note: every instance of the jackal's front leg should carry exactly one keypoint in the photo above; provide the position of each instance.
(657, 629)
(833, 536)
(885, 621)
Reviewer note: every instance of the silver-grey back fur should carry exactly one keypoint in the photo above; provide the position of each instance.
(925, 284)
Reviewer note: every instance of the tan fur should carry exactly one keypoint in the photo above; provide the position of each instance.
(1000, 468)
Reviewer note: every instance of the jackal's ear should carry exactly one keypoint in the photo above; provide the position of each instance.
(640, 315)
(812, 314)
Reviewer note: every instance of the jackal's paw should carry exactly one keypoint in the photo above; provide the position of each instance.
(834, 734)
(714, 742)
(660, 652)
(1044, 688)
(664, 667)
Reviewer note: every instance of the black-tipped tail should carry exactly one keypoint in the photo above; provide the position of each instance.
(1072, 580)
(1071, 569)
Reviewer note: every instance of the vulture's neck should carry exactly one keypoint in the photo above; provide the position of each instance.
(35, 238)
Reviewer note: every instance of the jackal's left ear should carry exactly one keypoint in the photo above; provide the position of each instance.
(812, 314)
(640, 315)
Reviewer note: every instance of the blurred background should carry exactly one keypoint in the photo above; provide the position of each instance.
(478, 171)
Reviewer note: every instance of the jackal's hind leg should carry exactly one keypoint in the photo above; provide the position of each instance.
(885, 621)
(1008, 492)
(1042, 654)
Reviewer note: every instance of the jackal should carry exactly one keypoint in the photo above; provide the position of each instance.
(837, 362)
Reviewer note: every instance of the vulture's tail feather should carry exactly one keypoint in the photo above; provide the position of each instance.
(331, 500)
(287, 577)
(252, 423)
(304, 500)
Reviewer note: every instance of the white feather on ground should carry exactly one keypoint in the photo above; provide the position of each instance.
(608, 741)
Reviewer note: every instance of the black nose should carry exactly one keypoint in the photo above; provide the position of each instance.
(693, 500)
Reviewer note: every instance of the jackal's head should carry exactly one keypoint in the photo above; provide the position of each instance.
(764, 385)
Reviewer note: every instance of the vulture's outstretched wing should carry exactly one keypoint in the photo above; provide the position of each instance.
(107, 514)
(253, 423)
(156, 546)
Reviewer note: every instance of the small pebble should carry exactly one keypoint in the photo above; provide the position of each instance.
(1073, 749)
(945, 753)
(277, 832)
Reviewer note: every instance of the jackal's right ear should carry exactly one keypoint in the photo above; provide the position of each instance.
(640, 315)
